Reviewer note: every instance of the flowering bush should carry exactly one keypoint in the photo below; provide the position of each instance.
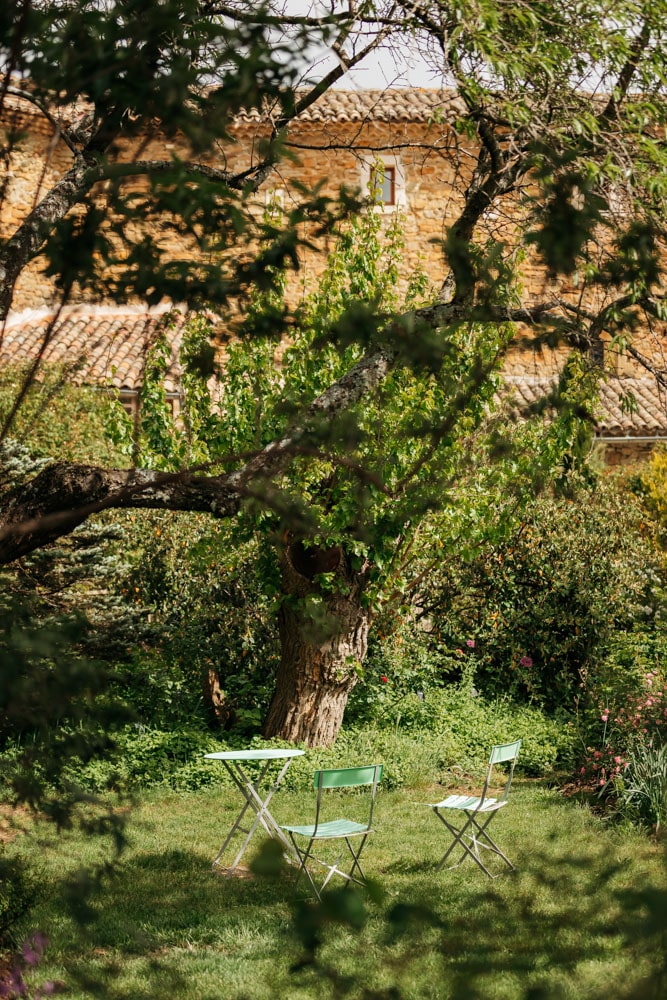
(557, 617)
(631, 735)
(645, 714)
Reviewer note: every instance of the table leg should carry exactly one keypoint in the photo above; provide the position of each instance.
(254, 801)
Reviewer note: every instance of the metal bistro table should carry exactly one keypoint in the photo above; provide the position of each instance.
(256, 799)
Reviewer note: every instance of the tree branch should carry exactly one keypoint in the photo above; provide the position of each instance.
(628, 71)
(57, 125)
(64, 495)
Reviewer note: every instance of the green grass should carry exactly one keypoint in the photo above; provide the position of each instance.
(583, 916)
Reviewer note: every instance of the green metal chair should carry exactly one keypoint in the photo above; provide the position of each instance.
(470, 832)
(336, 829)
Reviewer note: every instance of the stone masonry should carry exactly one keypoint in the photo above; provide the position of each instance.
(335, 142)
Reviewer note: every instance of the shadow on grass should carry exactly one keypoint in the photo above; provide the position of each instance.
(577, 919)
(545, 929)
(156, 911)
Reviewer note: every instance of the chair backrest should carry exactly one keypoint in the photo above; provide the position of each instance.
(348, 777)
(502, 753)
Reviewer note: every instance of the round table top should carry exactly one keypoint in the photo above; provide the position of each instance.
(268, 754)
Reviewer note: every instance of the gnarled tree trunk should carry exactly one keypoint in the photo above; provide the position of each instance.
(319, 658)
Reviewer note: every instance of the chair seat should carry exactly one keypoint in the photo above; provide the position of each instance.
(334, 828)
(469, 803)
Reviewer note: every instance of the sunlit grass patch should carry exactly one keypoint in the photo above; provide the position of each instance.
(581, 916)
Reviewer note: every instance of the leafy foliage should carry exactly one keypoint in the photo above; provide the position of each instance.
(445, 737)
(56, 418)
(208, 591)
(19, 888)
(56, 709)
(548, 605)
(642, 790)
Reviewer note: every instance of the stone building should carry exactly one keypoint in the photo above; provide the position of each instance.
(399, 141)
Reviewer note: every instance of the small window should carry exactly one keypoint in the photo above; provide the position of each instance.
(383, 184)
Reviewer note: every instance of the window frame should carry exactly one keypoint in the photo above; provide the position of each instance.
(393, 165)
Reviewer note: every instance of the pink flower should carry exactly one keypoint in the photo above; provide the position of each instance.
(470, 643)
(583, 771)
(526, 661)
(618, 760)
(605, 715)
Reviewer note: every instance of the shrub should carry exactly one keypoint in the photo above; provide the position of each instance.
(144, 757)
(641, 791)
(426, 741)
(18, 891)
(403, 665)
(546, 606)
(629, 767)
(205, 586)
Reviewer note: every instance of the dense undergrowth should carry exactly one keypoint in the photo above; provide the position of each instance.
(447, 731)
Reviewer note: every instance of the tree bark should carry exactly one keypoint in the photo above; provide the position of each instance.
(319, 658)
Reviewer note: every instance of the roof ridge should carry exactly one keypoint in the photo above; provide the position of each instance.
(85, 311)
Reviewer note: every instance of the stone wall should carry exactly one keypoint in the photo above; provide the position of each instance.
(432, 165)
(37, 159)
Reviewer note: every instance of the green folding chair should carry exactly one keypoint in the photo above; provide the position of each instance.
(470, 831)
(336, 829)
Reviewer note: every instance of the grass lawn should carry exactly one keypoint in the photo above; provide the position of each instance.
(584, 915)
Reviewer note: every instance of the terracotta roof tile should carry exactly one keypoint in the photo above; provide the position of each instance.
(404, 104)
(628, 407)
(108, 345)
(99, 345)
(408, 104)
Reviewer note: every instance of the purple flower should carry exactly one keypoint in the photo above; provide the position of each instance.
(526, 661)
(33, 949)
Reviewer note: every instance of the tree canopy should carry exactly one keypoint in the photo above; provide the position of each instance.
(565, 104)
(562, 106)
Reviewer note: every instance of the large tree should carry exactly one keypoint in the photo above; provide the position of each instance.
(563, 109)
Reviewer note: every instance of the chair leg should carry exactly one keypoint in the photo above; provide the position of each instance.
(332, 869)
(476, 839)
(304, 857)
(491, 845)
(356, 864)
(458, 835)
